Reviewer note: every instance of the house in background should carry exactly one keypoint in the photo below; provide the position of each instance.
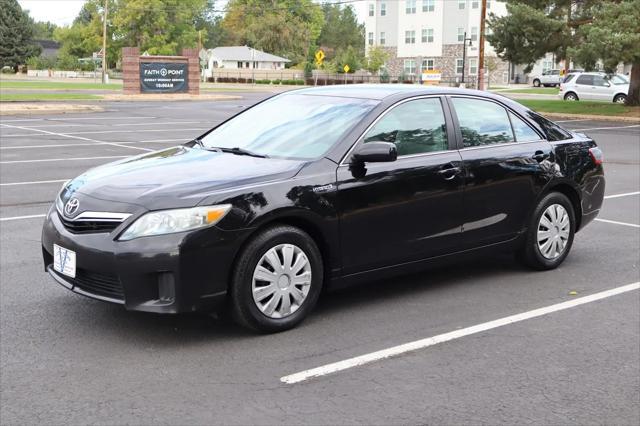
(242, 57)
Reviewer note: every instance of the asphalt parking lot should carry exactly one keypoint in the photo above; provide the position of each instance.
(68, 359)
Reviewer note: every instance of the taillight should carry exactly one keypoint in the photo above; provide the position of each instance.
(596, 155)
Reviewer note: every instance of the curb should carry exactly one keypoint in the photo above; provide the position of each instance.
(165, 97)
(592, 117)
(10, 108)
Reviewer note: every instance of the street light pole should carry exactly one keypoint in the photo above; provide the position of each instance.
(464, 54)
(104, 41)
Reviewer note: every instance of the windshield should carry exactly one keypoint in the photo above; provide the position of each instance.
(618, 79)
(290, 126)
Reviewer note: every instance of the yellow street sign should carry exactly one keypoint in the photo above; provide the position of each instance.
(346, 68)
(319, 56)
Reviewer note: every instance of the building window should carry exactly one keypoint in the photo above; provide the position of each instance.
(383, 9)
(383, 38)
(410, 37)
(462, 4)
(410, 7)
(473, 66)
(409, 66)
(474, 4)
(370, 39)
(488, 4)
(460, 34)
(428, 5)
(474, 33)
(371, 9)
(459, 66)
(427, 35)
(428, 64)
(239, 64)
(547, 65)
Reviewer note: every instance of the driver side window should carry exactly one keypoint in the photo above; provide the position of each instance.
(415, 127)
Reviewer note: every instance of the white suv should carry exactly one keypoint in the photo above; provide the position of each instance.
(594, 86)
(548, 78)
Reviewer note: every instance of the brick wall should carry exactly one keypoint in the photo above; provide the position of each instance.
(131, 68)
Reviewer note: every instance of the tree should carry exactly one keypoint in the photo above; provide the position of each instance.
(349, 56)
(16, 35)
(376, 58)
(533, 28)
(44, 30)
(491, 65)
(614, 37)
(282, 27)
(340, 30)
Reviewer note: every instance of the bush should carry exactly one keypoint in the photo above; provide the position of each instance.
(277, 81)
(266, 81)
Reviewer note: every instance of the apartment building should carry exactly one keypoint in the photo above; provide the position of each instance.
(429, 35)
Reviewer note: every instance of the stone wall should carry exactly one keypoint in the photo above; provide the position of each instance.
(131, 68)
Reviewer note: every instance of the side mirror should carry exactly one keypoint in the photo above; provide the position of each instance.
(375, 152)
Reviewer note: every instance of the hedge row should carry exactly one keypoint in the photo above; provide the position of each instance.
(250, 80)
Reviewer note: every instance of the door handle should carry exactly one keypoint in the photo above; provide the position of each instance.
(449, 173)
(540, 156)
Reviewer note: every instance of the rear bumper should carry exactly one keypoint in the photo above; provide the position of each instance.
(183, 272)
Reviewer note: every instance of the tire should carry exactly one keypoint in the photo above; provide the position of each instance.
(267, 311)
(570, 96)
(536, 83)
(620, 99)
(541, 254)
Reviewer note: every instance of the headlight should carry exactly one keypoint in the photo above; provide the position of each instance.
(171, 221)
(59, 202)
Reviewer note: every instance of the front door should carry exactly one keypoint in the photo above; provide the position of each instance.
(506, 163)
(408, 209)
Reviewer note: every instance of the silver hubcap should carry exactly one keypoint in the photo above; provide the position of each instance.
(553, 231)
(281, 281)
(620, 99)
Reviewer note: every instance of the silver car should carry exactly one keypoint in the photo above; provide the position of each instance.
(594, 86)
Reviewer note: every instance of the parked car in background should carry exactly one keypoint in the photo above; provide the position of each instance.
(594, 86)
(551, 77)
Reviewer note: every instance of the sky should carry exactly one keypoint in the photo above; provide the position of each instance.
(62, 12)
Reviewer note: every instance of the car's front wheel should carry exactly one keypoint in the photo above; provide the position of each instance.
(549, 236)
(620, 99)
(536, 83)
(571, 97)
(277, 279)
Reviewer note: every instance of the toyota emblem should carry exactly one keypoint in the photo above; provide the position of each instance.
(71, 207)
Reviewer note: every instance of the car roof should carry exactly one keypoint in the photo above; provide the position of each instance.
(383, 91)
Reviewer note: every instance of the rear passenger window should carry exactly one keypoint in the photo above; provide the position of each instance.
(415, 127)
(522, 131)
(482, 122)
(568, 78)
(585, 79)
(552, 131)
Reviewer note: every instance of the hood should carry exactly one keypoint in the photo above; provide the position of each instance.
(178, 177)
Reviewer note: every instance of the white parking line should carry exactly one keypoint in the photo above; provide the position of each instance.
(67, 135)
(615, 222)
(128, 117)
(441, 338)
(570, 121)
(38, 182)
(62, 124)
(64, 145)
(5, 219)
(627, 194)
(606, 128)
(99, 132)
(44, 160)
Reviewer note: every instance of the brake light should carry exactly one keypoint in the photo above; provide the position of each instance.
(596, 156)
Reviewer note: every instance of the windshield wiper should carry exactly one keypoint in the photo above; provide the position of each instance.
(237, 151)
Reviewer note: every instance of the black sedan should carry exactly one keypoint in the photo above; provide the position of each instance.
(319, 188)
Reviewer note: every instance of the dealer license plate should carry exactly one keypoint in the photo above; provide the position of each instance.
(64, 261)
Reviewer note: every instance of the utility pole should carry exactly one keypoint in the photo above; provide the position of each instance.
(483, 16)
(104, 42)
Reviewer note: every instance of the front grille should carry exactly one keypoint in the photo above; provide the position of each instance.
(89, 226)
(96, 283)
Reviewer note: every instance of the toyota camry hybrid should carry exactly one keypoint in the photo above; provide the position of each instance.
(318, 188)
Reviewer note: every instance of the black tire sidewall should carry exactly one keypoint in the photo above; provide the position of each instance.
(244, 307)
(566, 97)
(532, 254)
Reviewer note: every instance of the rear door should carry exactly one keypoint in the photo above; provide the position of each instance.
(584, 87)
(506, 163)
(408, 209)
(601, 89)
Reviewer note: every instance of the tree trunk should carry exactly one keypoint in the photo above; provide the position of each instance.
(633, 97)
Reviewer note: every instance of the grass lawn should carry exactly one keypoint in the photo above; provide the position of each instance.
(5, 97)
(581, 107)
(534, 90)
(59, 85)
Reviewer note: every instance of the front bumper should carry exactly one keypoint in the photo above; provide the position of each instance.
(182, 272)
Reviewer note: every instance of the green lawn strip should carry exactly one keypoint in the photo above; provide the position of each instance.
(8, 97)
(580, 107)
(53, 85)
(534, 91)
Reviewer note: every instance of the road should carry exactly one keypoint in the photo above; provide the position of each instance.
(68, 359)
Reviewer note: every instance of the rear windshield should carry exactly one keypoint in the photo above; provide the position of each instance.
(550, 129)
(291, 126)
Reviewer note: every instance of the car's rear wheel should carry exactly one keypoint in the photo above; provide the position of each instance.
(549, 236)
(536, 83)
(277, 279)
(620, 99)
(570, 96)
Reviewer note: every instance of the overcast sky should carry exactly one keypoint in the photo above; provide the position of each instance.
(62, 12)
